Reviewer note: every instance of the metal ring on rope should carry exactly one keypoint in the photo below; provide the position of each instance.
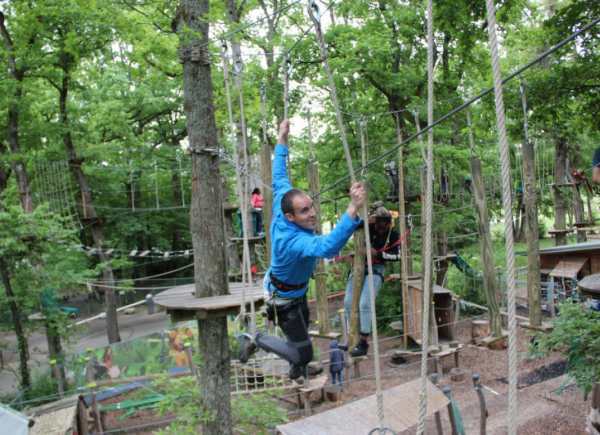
(382, 431)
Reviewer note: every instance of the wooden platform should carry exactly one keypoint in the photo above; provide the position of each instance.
(558, 231)
(181, 304)
(304, 392)
(329, 336)
(360, 417)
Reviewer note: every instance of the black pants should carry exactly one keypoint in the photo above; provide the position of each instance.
(293, 320)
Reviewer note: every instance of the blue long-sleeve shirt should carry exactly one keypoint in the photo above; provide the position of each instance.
(295, 250)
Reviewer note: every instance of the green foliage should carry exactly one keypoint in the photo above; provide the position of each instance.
(576, 335)
(39, 251)
(43, 390)
(253, 413)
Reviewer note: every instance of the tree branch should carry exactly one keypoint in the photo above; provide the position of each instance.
(158, 67)
(9, 46)
(376, 84)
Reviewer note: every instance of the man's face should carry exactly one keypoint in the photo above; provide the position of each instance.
(304, 214)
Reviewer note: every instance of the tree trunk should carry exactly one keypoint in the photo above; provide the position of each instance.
(487, 256)
(23, 185)
(17, 164)
(442, 251)
(206, 213)
(22, 343)
(89, 213)
(531, 235)
(12, 131)
(579, 212)
(55, 355)
(560, 206)
(358, 275)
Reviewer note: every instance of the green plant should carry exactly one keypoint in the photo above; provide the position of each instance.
(253, 413)
(576, 334)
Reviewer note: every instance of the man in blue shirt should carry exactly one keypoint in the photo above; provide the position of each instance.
(295, 249)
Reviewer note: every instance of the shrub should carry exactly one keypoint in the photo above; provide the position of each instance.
(576, 334)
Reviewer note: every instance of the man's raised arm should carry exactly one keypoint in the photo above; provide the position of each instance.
(281, 182)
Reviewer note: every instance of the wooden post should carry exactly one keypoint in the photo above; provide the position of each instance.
(482, 405)
(344, 322)
(579, 212)
(82, 417)
(593, 423)
(314, 187)
(96, 410)
(435, 378)
(358, 275)
(448, 392)
(560, 172)
(206, 223)
(358, 266)
(487, 256)
(404, 235)
(531, 222)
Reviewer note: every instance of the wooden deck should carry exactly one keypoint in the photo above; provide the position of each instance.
(359, 417)
(181, 303)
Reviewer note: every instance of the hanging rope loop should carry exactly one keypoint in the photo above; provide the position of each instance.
(238, 66)
(263, 91)
(313, 11)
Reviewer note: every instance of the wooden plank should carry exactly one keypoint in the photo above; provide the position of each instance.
(329, 335)
(315, 384)
(360, 417)
(183, 298)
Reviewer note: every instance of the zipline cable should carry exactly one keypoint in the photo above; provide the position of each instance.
(313, 11)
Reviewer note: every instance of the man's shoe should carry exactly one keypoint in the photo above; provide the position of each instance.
(360, 349)
(247, 347)
(296, 373)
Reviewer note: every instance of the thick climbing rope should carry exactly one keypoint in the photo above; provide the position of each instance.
(313, 11)
(285, 66)
(427, 254)
(508, 220)
(245, 194)
(240, 183)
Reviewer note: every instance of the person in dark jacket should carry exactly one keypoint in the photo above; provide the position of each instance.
(336, 363)
(384, 247)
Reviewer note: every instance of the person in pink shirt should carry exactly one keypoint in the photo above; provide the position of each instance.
(257, 203)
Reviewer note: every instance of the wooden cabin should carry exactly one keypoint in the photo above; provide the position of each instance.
(446, 306)
(566, 265)
(571, 261)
